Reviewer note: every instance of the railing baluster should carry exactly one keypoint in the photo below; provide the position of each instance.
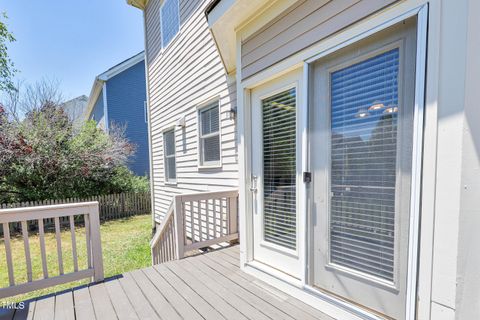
(192, 224)
(8, 253)
(215, 220)
(199, 217)
(74, 243)
(26, 245)
(87, 237)
(58, 236)
(41, 234)
(207, 218)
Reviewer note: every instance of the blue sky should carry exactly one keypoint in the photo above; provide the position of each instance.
(71, 40)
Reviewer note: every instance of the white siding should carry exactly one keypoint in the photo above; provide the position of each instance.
(303, 24)
(188, 73)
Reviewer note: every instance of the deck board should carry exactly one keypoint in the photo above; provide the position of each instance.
(101, 302)
(181, 305)
(121, 304)
(156, 298)
(64, 306)
(247, 303)
(209, 286)
(140, 304)
(45, 308)
(205, 309)
(242, 310)
(83, 303)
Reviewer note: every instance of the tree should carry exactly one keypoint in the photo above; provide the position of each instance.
(7, 69)
(42, 157)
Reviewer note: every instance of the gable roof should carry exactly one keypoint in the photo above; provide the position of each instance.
(107, 75)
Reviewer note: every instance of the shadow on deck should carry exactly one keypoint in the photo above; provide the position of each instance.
(206, 286)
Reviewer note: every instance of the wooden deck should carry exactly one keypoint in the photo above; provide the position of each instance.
(207, 286)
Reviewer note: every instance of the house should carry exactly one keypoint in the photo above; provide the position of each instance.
(75, 109)
(118, 98)
(351, 130)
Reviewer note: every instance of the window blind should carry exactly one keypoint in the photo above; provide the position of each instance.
(364, 107)
(169, 21)
(279, 169)
(169, 150)
(210, 133)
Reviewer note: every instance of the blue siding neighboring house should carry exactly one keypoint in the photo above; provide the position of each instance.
(118, 98)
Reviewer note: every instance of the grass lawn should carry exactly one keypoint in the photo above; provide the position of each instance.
(125, 245)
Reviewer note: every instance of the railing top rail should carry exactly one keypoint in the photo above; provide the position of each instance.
(207, 195)
(51, 211)
(159, 232)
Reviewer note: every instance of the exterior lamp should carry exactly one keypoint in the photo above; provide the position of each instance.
(181, 122)
(232, 113)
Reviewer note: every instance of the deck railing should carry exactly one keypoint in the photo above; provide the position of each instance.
(94, 269)
(196, 221)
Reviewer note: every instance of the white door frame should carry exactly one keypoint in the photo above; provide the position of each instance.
(301, 289)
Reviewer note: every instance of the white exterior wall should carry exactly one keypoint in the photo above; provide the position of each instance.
(182, 77)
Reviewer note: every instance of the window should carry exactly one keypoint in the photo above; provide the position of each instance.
(364, 120)
(279, 169)
(169, 154)
(169, 21)
(209, 135)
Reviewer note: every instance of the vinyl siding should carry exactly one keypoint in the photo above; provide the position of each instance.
(98, 111)
(303, 24)
(126, 94)
(182, 77)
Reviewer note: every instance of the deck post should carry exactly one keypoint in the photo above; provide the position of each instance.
(179, 226)
(96, 244)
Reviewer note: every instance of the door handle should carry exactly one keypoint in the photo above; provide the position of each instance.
(253, 184)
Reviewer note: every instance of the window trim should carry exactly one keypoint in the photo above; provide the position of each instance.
(206, 105)
(165, 157)
(163, 47)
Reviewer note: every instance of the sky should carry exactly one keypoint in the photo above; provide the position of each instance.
(71, 41)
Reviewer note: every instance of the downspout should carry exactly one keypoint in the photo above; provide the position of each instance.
(149, 117)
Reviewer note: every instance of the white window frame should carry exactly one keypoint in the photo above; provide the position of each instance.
(210, 104)
(165, 157)
(164, 47)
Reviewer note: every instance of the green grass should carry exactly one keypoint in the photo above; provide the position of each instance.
(125, 245)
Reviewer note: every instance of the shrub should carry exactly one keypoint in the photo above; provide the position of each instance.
(43, 157)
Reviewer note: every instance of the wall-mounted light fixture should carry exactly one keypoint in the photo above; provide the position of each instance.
(181, 122)
(232, 113)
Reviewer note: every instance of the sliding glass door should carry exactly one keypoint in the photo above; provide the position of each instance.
(361, 152)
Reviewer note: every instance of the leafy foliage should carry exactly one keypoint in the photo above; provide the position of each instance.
(7, 69)
(43, 157)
